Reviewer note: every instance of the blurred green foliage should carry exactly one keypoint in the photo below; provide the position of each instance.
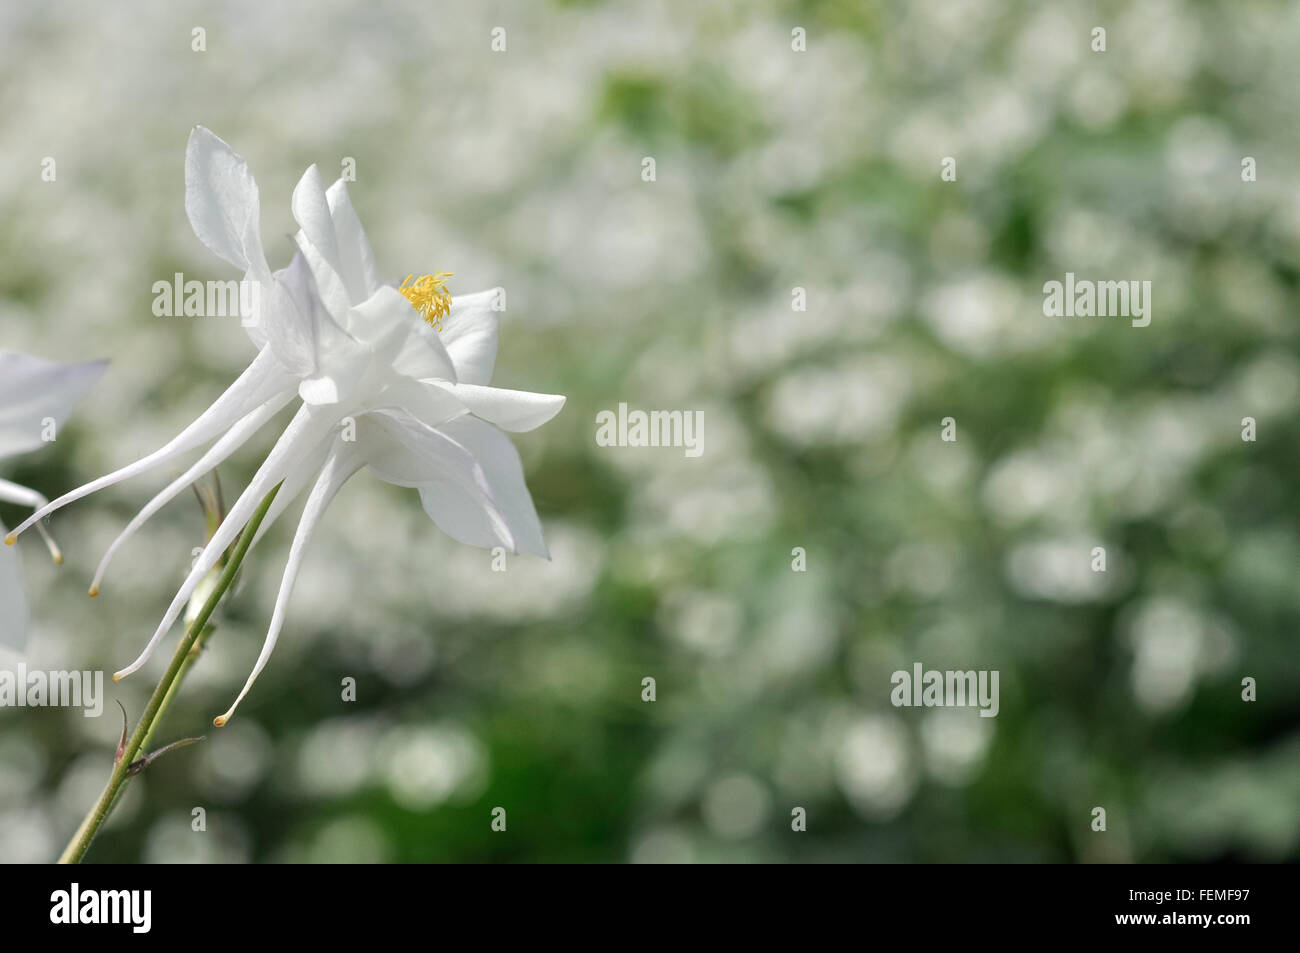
(776, 169)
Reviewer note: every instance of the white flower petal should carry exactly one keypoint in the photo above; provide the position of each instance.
(309, 342)
(233, 439)
(429, 404)
(342, 463)
(320, 391)
(261, 381)
(505, 475)
(514, 410)
(401, 450)
(304, 431)
(302, 471)
(356, 260)
(17, 493)
(469, 476)
(294, 334)
(34, 392)
(329, 285)
(24, 496)
(459, 513)
(404, 451)
(222, 203)
(384, 322)
(318, 243)
(423, 355)
(311, 211)
(469, 333)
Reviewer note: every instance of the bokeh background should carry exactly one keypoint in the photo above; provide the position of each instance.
(776, 169)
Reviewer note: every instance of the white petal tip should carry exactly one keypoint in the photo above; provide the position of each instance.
(539, 549)
(319, 390)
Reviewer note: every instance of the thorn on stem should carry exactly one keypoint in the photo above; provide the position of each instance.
(140, 764)
(121, 745)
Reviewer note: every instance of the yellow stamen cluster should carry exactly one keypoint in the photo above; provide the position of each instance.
(428, 295)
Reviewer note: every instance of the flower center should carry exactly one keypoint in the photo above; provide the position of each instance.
(428, 295)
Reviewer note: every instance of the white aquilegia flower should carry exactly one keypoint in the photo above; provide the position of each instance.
(35, 397)
(394, 379)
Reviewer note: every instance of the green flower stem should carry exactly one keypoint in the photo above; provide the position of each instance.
(190, 656)
(158, 702)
